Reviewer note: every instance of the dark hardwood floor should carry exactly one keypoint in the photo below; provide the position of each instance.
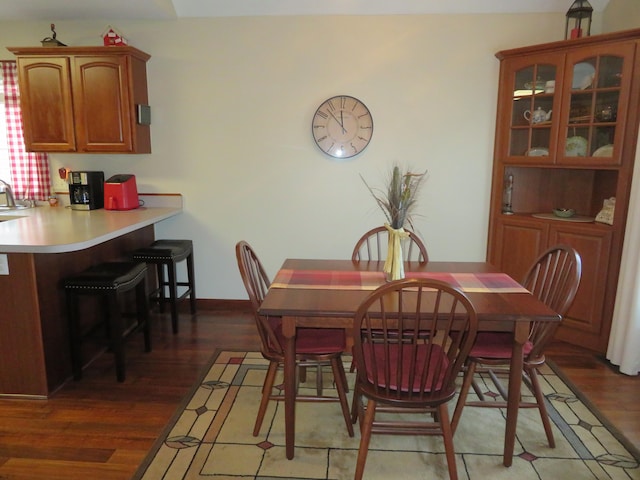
(100, 429)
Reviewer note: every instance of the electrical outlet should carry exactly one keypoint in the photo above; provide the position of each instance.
(4, 264)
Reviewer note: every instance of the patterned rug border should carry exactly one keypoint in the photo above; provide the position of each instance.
(176, 415)
(626, 443)
(633, 450)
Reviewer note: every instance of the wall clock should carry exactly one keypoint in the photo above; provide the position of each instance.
(342, 126)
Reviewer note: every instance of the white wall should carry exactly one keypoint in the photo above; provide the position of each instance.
(621, 15)
(232, 101)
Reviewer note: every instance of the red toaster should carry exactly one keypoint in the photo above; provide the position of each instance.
(121, 192)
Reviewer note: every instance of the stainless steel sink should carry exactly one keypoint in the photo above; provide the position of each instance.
(5, 208)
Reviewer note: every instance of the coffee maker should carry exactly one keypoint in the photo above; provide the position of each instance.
(86, 190)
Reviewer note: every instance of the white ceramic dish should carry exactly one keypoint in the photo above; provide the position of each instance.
(535, 85)
(576, 147)
(538, 152)
(583, 74)
(564, 212)
(553, 216)
(605, 151)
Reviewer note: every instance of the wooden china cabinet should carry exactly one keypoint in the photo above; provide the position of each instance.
(566, 133)
(83, 99)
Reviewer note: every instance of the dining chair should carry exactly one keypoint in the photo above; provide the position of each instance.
(373, 246)
(315, 347)
(553, 278)
(399, 370)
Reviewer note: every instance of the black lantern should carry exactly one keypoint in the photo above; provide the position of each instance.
(579, 11)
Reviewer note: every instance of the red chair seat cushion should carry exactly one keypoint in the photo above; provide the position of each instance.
(496, 345)
(437, 364)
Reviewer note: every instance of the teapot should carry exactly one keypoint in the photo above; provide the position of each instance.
(538, 116)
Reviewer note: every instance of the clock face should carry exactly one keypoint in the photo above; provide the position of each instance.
(342, 126)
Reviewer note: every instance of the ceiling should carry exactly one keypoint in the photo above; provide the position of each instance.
(49, 10)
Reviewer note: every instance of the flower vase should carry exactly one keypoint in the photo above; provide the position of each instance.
(394, 264)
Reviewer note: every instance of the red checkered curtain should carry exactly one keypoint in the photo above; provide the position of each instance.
(29, 170)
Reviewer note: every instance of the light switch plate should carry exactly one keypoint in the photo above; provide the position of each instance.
(4, 264)
(60, 185)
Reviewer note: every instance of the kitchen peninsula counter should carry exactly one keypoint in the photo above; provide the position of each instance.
(58, 229)
(39, 248)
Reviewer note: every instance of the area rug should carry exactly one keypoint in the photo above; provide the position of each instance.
(210, 437)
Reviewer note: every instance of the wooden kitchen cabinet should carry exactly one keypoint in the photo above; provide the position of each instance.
(567, 145)
(83, 99)
(518, 240)
(585, 321)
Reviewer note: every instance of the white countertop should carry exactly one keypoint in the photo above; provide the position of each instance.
(45, 229)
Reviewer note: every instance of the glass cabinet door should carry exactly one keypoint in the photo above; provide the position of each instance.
(596, 106)
(533, 96)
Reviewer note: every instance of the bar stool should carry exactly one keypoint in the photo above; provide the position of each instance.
(108, 280)
(168, 253)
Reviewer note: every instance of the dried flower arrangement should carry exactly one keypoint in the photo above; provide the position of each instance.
(398, 201)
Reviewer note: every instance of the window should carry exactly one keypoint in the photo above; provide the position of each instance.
(27, 172)
(4, 148)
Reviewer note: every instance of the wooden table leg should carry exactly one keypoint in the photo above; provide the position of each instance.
(289, 332)
(520, 336)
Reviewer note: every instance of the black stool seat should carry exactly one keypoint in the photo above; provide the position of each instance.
(120, 276)
(167, 252)
(108, 280)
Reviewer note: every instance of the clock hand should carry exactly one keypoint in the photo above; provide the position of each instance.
(338, 121)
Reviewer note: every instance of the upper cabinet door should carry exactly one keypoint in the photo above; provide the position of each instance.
(84, 99)
(103, 112)
(531, 93)
(595, 106)
(46, 104)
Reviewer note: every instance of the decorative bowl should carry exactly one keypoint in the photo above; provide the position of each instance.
(564, 212)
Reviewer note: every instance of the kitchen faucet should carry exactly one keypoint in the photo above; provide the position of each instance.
(8, 194)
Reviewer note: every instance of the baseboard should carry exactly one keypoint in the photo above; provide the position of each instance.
(217, 304)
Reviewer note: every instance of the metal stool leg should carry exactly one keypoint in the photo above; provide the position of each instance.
(173, 295)
(142, 302)
(106, 308)
(74, 335)
(117, 330)
(161, 284)
(192, 282)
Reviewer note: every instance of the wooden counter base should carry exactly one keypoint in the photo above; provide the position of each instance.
(34, 345)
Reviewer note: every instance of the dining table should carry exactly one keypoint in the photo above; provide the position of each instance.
(322, 293)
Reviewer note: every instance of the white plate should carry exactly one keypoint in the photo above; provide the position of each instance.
(575, 218)
(605, 151)
(538, 152)
(576, 147)
(583, 74)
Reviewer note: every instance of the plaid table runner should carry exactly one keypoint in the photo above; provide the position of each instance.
(343, 280)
